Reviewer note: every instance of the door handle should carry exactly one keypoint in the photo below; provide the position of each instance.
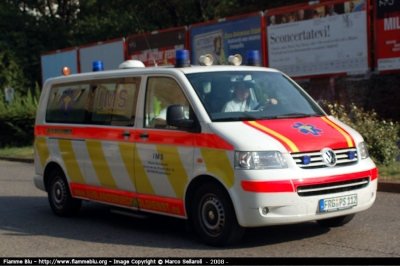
(126, 134)
(144, 135)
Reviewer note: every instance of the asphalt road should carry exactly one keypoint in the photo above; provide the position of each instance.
(28, 228)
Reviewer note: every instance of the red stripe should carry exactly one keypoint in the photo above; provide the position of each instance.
(267, 186)
(102, 194)
(350, 136)
(181, 138)
(108, 133)
(169, 137)
(313, 135)
(291, 185)
(161, 204)
(61, 131)
(284, 143)
(129, 199)
(212, 141)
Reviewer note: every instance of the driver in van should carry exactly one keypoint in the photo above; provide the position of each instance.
(242, 102)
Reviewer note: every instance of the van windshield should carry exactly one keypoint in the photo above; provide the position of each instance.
(252, 95)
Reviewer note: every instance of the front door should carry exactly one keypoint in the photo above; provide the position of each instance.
(164, 154)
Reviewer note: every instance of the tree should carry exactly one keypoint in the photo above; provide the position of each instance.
(29, 28)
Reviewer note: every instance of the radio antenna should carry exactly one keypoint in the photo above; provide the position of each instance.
(140, 27)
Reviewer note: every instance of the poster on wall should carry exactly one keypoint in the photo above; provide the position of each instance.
(387, 34)
(225, 37)
(52, 62)
(319, 39)
(111, 53)
(157, 47)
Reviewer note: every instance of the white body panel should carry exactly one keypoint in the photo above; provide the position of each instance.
(198, 159)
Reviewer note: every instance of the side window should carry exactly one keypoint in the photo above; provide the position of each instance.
(162, 92)
(114, 102)
(67, 103)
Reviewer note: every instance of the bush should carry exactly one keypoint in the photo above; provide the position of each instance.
(17, 120)
(379, 135)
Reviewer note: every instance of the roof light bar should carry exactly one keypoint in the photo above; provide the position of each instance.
(253, 58)
(182, 58)
(97, 66)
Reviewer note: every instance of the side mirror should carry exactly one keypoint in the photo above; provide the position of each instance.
(176, 117)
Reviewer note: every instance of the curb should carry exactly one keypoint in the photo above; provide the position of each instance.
(389, 186)
(383, 186)
(14, 159)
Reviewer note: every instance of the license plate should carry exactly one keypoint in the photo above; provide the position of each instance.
(337, 203)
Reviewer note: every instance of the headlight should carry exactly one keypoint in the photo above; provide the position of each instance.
(362, 149)
(259, 160)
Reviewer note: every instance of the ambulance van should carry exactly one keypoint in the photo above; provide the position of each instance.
(224, 147)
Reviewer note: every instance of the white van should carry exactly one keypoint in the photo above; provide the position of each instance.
(225, 147)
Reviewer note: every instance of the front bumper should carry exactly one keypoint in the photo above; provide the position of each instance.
(285, 205)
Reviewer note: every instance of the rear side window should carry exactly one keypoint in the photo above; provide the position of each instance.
(67, 103)
(113, 101)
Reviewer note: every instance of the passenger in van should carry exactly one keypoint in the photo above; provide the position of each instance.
(242, 102)
(180, 98)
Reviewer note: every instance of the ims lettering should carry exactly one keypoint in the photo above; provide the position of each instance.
(111, 99)
(158, 156)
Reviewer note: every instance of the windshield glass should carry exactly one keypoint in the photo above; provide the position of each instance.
(252, 95)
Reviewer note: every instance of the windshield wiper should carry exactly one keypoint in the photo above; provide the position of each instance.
(296, 115)
(223, 119)
(246, 117)
(267, 117)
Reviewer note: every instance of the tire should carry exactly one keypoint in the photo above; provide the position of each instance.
(214, 217)
(59, 195)
(336, 221)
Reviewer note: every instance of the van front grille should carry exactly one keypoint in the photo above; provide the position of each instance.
(313, 160)
(330, 188)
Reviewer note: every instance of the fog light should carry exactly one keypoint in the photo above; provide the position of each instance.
(264, 210)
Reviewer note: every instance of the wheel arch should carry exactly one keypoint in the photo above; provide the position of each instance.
(46, 176)
(195, 184)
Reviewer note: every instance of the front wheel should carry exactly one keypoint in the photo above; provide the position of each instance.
(336, 221)
(214, 217)
(59, 195)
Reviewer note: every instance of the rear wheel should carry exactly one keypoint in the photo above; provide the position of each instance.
(336, 221)
(59, 195)
(214, 217)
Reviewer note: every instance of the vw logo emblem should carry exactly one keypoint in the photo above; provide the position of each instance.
(329, 157)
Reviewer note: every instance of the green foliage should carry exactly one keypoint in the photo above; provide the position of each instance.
(379, 135)
(17, 119)
(33, 27)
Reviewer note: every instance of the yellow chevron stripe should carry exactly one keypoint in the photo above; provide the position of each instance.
(174, 169)
(100, 164)
(42, 150)
(345, 135)
(126, 151)
(70, 161)
(288, 142)
(217, 162)
(143, 184)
